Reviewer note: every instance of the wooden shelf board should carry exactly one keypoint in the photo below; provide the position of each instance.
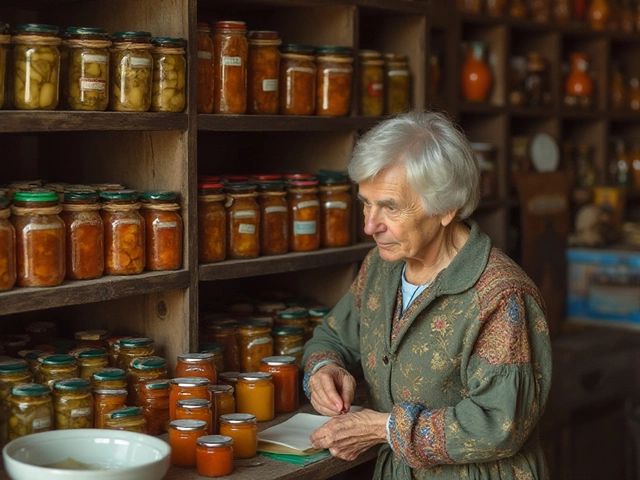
(629, 116)
(568, 114)
(289, 262)
(396, 6)
(77, 292)
(35, 4)
(532, 112)
(276, 123)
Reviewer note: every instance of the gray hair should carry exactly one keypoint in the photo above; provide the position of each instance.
(441, 166)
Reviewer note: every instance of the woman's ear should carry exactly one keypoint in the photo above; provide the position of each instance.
(447, 218)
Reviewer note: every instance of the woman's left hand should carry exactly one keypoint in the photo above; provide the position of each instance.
(347, 436)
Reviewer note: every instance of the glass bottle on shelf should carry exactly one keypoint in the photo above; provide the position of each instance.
(619, 174)
(535, 81)
(476, 78)
(627, 16)
(334, 80)
(585, 171)
(578, 87)
(212, 223)
(634, 94)
(618, 91)
(397, 84)
(598, 14)
(517, 74)
(163, 230)
(371, 81)
(634, 161)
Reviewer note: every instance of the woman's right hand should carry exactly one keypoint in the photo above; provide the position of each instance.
(332, 389)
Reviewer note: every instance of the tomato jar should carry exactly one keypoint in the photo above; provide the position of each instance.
(263, 71)
(154, 400)
(222, 403)
(109, 379)
(255, 395)
(183, 435)
(297, 80)
(105, 401)
(168, 86)
(143, 370)
(274, 218)
(90, 361)
(212, 223)
(163, 230)
(397, 83)
(91, 339)
(289, 341)
(304, 215)
(131, 72)
(40, 239)
(335, 209)
(225, 333)
(132, 348)
(196, 365)
(243, 429)
(7, 245)
(195, 409)
(186, 388)
(72, 404)
(129, 419)
(255, 344)
(12, 372)
(29, 410)
(217, 352)
(243, 221)
(334, 81)
(371, 83)
(57, 367)
(205, 69)
(230, 67)
(5, 40)
(285, 372)
(214, 455)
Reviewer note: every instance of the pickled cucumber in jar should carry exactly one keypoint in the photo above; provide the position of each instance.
(73, 404)
(131, 72)
(29, 410)
(5, 39)
(169, 73)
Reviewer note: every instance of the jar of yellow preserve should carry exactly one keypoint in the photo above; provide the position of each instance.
(255, 395)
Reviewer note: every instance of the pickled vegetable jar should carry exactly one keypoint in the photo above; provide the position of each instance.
(57, 367)
(297, 80)
(84, 235)
(224, 333)
(72, 404)
(12, 372)
(7, 246)
(169, 75)
(131, 72)
(289, 341)
(183, 435)
(36, 67)
(223, 402)
(154, 399)
(132, 348)
(255, 395)
(335, 79)
(29, 410)
(304, 215)
(205, 69)
(217, 352)
(214, 455)
(40, 239)
(212, 223)
(195, 409)
(109, 379)
(143, 370)
(371, 99)
(230, 67)
(124, 233)
(335, 210)
(263, 71)
(255, 344)
(285, 372)
(92, 339)
(90, 361)
(317, 314)
(5, 39)
(196, 365)
(88, 68)
(186, 388)
(106, 401)
(274, 218)
(397, 83)
(163, 225)
(243, 221)
(126, 418)
(243, 429)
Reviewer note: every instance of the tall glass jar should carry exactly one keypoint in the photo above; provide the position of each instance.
(195, 409)
(243, 221)
(143, 370)
(212, 223)
(243, 429)
(132, 348)
(335, 209)
(88, 68)
(371, 83)
(90, 361)
(40, 239)
(184, 388)
(124, 233)
(255, 395)
(131, 72)
(274, 221)
(72, 404)
(231, 51)
(284, 370)
(183, 435)
(12, 372)
(223, 402)
(154, 399)
(57, 367)
(334, 81)
(5, 40)
(297, 80)
(169, 75)
(397, 83)
(289, 341)
(304, 215)
(205, 69)
(36, 62)
(196, 365)
(29, 410)
(105, 401)
(255, 344)
(263, 71)
(127, 418)
(225, 333)
(163, 230)
(7, 247)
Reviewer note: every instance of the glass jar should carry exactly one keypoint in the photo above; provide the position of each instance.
(634, 94)
(274, 228)
(186, 388)
(106, 401)
(91, 339)
(289, 341)
(196, 365)
(225, 333)
(230, 67)
(124, 233)
(535, 81)
(36, 67)
(31, 356)
(88, 68)
(212, 223)
(255, 395)
(243, 221)
(397, 83)
(131, 72)
(618, 96)
(84, 235)
(5, 40)
(297, 80)
(143, 370)
(243, 429)
(29, 410)
(163, 230)
(109, 379)
(195, 409)
(154, 399)
(285, 372)
(371, 102)
(129, 419)
(72, 404)
(57, 367)
(335, 210)
(217, 352)
(214, 455)
(205, 69)
(317, 314)
(263, 70)
(12, 372)
(229, 378)
(90, 361)
(183, 435)
(334, 81)
(304, 215)
(255, 344)
(40, 239)
(132, 348)
(169, 75)
(7, 241)
(295, 317)
(223, 402)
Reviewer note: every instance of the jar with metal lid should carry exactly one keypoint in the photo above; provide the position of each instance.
(485, 154)
(88, 68)
(129, 419)
(335, 209)
(163, 225)
(285, 372)
(84, 235)
(131, 72)
(243, 221)
(212, 223)
(12, 372)
(255, 395)
(243, 429)
(229, 378)
(304, 215)
(289, 341)
(295, 317)
(169, 75)
(92, 338)
(397, 83)
(90, 361)
(36, 67)
(183, 435)
(297, 80)
(109, 379)
(186, 388)
(5, 40)
(124, 233)
(154, 400)
(57, 367)
(7, 241)
(255, 344)
(106, 401)
(217, 352)
(223, 402)
(214, 455)
(263, 71)
(195, 409)
(40, 239)
(196, 365)
(29, 410)
(205, 69)
(225, 333)
(371, 99)
(334, 80)
(142, 370)
(274, 221)
(132, 348)
(72, 404)
(231, 51)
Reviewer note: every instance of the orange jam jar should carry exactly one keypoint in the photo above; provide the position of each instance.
(243, 429)
(40, 238)
(289, 341)
(205, 69)
(222, 403)
(126, 418)
(255, 395)
(195, 409)
(285, 372)
(214, 455)
(109, 379)
(212, 223)
(57, 367)
(335, 209)
(225, 334)
(297, 80)
(90, 361)
(295, 317)
(143, 370)
(183, 435)
(335, 79)
(263, 71)
(304, 215)
(196, 365)
(7, 243)
(217, 352)
(106, 401)
(132, 348)
(154, 400)
(186, 388)
(231, 51)
(91, 339)
(163, 230)
(274, 218)
(243, 221)
(255, 344)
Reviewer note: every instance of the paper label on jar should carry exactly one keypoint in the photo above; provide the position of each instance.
(137, 62)
(232, 61)
(275, 210)
(308, 204)
(204, 54)
(328, 71)
(42, 226)
(398, 73)
(375, 89)
(247, 228)
(41, 423)
(340, 205)
(270, 85)
(158, 224)
(259, 341)
(93, 58)
(300, 69)
(125, 221)
(245, 214)
(80, 412)
(294, 350)
(92, 85)
(304, 228)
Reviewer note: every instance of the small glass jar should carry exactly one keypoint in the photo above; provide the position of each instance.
(154, 400)
(169, 75)
(263, 70)
(129, 419)
(335, 210)
(90, 361)
(12, 372)
(225, 333)
(113, 346)
(5, 40)
(106, 401)
(124, 233)
(7, 239)
(183, 435)
(131, 72)
(36, 67)
(109, 379)
(397, 83)
(186, 388)
(88, 68)
(163, 230)
(57, 367)
(72, 404)
(274, 218)
(84, 235)
(255, 344)
(196, 365)
(29, 410)
(142, 370)
(243, 429)
(212, 223)
(91, 339)
(132, 348)
(285, 372)
(295, 317)
(317, 314)
(205, 69)
(223, 402)
(304, 215)
(214, 455)
(195, 409)
(31, 356)
(255, 395)
(335, 80)
(297, 80)
(371, 83)
(231, 51)
(40, 239)
(289, 341)
(243, 221)
(217, 352)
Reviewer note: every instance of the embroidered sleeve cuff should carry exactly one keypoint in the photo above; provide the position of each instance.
(315, 361)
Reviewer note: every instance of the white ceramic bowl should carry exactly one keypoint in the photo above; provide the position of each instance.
(119, 454)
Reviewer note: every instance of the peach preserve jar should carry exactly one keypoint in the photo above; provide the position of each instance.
(163, 230)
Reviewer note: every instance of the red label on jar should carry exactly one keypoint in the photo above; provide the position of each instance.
(375, 89)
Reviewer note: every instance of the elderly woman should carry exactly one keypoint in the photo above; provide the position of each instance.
(451, 333)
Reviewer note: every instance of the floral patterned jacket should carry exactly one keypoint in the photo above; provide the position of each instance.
(465, 371)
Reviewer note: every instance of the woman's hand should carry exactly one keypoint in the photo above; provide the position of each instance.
(332, 389)
(347, 436)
